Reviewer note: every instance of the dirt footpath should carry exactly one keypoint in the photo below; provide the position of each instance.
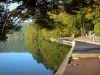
(84, 66)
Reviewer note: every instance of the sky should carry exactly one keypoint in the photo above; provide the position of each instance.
(12, 6)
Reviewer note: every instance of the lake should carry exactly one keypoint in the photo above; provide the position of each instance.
(36, 56)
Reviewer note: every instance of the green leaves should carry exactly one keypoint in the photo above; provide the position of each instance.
(97, 29)
(8, 23)
(97, 26)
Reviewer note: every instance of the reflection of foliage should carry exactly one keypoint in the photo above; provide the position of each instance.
(50, 54)
(15, 42)
(39, 56)
(29, 30)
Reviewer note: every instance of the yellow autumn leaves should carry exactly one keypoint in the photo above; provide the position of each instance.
(89, 13)
(92, 12)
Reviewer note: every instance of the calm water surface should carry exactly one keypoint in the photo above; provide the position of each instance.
(22, 56)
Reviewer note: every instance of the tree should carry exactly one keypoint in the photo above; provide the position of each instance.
(38, 11)
(64, 24)
(7, 23)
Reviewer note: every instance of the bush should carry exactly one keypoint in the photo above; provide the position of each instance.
(97, 29)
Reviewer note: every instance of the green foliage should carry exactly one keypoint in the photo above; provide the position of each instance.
(97, 29)
(63, 24)
(8, 23)
(57, 16)
(75, 31)
(97, 26)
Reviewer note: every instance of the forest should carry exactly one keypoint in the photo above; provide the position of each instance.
(53, 18)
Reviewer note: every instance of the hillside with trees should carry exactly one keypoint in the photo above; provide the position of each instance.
(58, 18)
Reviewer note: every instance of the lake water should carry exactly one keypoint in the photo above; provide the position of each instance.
(22, 56)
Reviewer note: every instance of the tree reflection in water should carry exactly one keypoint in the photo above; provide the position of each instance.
(48, 53)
